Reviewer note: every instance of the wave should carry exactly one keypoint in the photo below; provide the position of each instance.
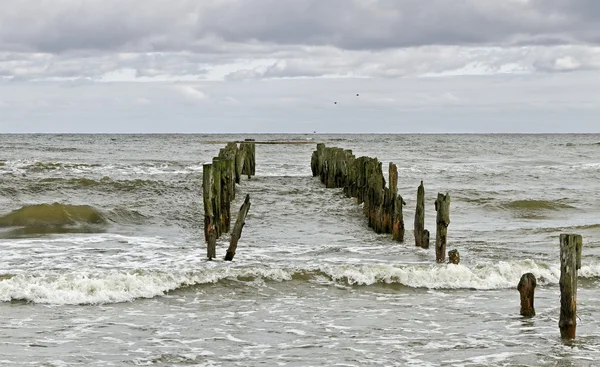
(107, 182)
(536, 205)
(45, 215)
(114, 286)
(65, 218)
(50, 166)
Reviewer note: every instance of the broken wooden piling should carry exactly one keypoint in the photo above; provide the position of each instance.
(218, 189)
(363, 179)
(236, 233)
(453, 257)
(442, 206)
(421, 234)
(570, 262)
(526, 288)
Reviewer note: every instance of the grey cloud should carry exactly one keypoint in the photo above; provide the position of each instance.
(185, 25)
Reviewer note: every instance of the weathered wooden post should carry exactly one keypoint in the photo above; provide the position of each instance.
(210, 232)
(453, 257)
(237, 229)
(317, 160)
(217, 196)
(421, 234)
(526, 288)
(240, 157)
(249, 167)
(442, 206)
(570, 262)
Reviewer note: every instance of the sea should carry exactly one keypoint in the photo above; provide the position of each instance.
(103, 259)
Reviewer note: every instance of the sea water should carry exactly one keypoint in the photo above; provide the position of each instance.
(103, 261)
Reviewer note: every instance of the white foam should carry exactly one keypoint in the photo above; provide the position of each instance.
(112, 286)
(490, 276)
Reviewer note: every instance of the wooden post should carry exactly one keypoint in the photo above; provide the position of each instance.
(453, 257)
(442, 206)
(570, 262)
(216, 196)
(240, 156)
(526, 288)
(421, 234)
(210, 232)
(237, 229)
(249, 167)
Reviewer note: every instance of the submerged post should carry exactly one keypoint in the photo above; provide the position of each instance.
(442, 206)
(570, 262)
(210, 232)
(237, 229)
(421, 234)
(526, 288)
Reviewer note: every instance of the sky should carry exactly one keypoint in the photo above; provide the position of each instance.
(331, 66)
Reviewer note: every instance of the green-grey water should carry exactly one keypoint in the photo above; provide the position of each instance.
(102, 257)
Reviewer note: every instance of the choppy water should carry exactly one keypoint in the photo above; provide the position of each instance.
(102, 255)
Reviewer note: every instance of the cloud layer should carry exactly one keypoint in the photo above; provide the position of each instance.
(256, 39)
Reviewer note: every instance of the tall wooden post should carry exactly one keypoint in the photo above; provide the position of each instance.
(237, 229)
(570, 262)
(526, 288)
(217, 195)
(210, 232)
(442, 206)
(421, 234)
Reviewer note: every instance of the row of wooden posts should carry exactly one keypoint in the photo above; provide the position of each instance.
(218, 190)
(363, 179)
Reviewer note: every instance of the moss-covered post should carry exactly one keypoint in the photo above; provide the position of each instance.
(442, 206)
(570, 262)
(240, 156)
(526, 288)
(453, 257)
(249, 167)
(210, 232)
(421, 234)
(217, 195)
(236, 233)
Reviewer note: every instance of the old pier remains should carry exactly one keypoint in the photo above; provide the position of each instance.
(218, 189)
(362, 178)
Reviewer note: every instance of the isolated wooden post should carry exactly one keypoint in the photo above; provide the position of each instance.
(453, 257)
(421, 234)
(210, 232)
(570, 262)
(442, 206)
(237, 229)
(526, 288)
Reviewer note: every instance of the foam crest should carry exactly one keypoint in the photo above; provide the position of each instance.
(116, 286)
(98, 287)
(490, 276)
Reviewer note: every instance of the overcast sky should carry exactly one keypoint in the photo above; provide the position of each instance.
(280, 65)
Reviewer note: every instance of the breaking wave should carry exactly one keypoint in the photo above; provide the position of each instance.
(97, 287)
(55, 214)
